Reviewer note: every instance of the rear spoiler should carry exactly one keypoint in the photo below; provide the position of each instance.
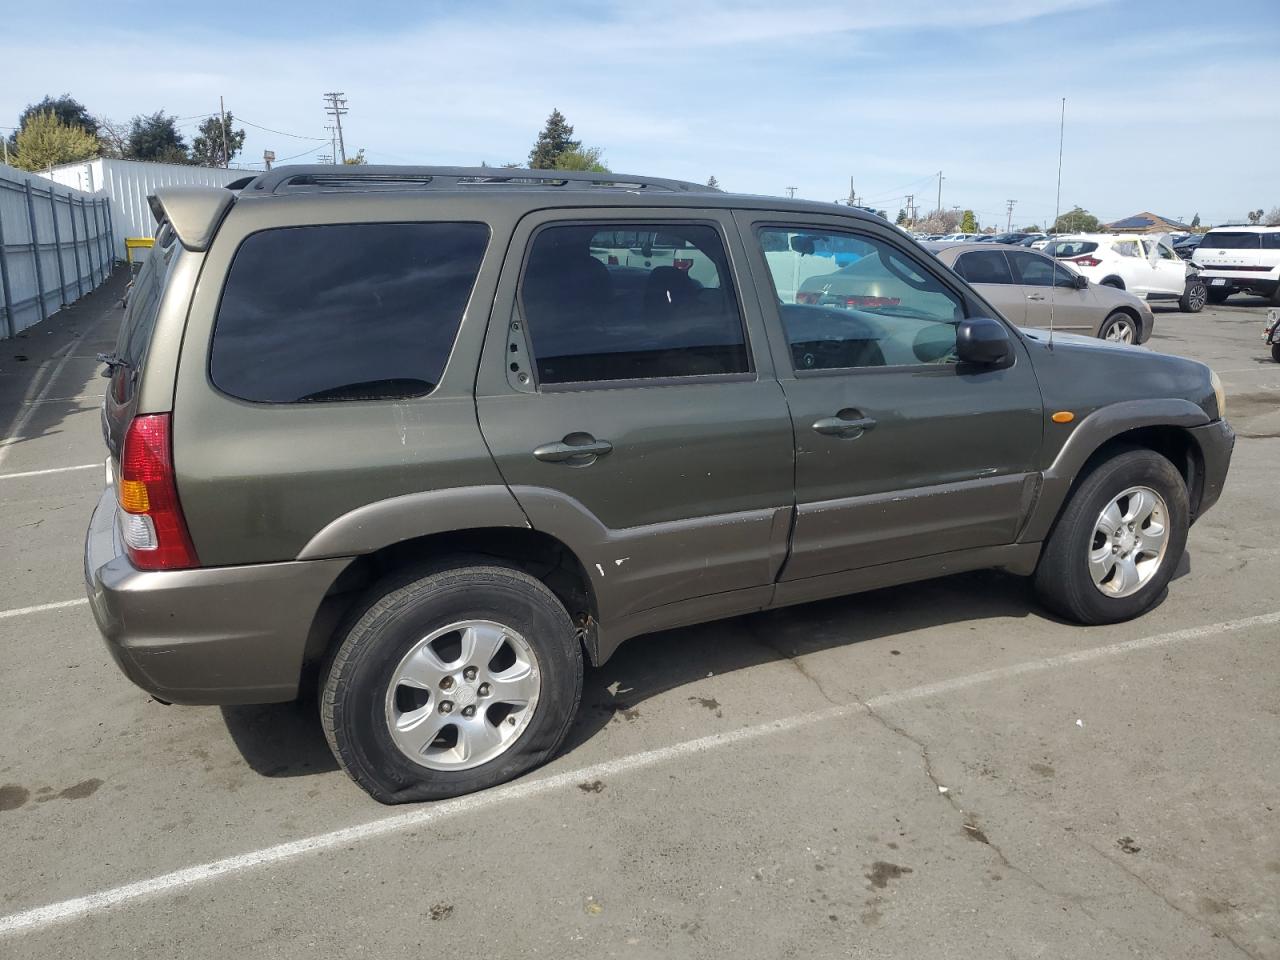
(193, 212)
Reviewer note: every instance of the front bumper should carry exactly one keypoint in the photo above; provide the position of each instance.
(1216, 441)
(216, 635)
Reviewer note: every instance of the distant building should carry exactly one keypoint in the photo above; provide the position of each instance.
(1147, 223)
(128, 182)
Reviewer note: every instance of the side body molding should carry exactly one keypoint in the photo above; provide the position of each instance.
(1090, 434)
(380, 524)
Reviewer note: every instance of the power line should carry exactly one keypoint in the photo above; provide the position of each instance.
(296, 136)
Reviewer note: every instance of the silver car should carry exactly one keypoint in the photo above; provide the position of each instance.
(1030, 288)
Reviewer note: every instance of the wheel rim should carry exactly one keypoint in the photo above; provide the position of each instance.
(462, 695)
(1129, 542)
(1119, 330)
(1196, 296)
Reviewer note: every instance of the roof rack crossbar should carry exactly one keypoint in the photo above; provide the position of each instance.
(333, 177)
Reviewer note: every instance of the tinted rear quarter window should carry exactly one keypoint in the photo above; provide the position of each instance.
(1228, 240)
(1271, 240)
(1070, 248)
(364, 311)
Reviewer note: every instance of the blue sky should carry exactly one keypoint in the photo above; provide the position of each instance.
(1171, 106)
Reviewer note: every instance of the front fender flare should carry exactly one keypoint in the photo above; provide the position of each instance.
(1105, 423)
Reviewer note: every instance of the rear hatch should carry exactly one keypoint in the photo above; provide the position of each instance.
(1229, 253)
(133, 343)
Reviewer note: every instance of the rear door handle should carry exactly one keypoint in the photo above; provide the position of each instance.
(575, 449)
(845, 429)
(1036, 296)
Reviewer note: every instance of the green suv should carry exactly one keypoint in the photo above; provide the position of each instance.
(441, 434)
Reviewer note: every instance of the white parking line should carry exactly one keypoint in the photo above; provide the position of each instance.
(41, 608)
(28, 921)
(41, 473)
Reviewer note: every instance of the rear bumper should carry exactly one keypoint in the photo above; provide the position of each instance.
(1216, 441)
(219, 635)
(1236, 281)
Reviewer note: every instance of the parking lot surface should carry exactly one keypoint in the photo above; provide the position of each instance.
(934, 770)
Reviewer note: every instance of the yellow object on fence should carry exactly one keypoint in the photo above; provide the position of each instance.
(137, 243)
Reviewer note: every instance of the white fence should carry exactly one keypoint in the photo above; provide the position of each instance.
(129, 182)
(55, 246)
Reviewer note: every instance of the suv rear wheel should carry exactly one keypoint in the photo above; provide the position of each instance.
(1115, 547)
(452, 682)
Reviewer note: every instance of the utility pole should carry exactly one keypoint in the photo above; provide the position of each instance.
(222, 113)
(791, 191)
(910, 208)
(268, 157)
(333, 144)
(939, 191)
(336, 108)
(853, 196)
(1008, 222)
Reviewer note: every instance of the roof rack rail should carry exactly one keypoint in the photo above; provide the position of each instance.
(320, 177)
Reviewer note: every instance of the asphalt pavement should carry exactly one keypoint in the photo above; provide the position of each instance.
(934, 770)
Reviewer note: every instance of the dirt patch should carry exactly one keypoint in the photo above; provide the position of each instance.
(13, 796)
(881, 872)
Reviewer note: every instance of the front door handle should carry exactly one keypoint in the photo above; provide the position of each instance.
(845, 429)
(1036, 296)
(577, 449)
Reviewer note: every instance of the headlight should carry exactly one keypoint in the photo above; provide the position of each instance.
(1219, 394)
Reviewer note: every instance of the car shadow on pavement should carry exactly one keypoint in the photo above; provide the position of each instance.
(650, 665)
(281, 739)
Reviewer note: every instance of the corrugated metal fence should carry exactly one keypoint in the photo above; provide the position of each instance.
(55, 246)
(130, 182)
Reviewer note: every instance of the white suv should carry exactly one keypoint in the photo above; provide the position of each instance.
(1143, 264)
(1240, 258)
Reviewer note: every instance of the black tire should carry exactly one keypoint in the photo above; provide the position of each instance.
(1117, 319)
(1218, 295)
(1193, 297)
(1275, 352)
(396, 615)
(1113, 282)
(1062, 579)
(1275, 296)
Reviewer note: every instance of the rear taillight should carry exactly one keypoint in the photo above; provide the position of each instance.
(1085, 261)
(807, 296)
(151, 520)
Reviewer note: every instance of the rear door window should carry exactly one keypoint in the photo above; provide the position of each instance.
(362, 311)
(984, 266)
(1037, 271)
(1070, 248)
(610, 302)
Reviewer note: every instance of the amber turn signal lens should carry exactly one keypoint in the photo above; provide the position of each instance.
(133, 497)
(1063, 416)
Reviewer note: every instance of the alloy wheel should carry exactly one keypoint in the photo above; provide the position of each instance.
(462, 695)
(1129, 542)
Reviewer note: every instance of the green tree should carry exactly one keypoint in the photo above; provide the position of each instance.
(206, 148)
(556, 138)
(66, 108)
(713, 183)
(1195, 222)
(902, 216)
(1272, 219)
(358, 160)
(587, 159)
(45, 141)
(968, 222)
(1255, 216)
(1075, 220)
(156, 137)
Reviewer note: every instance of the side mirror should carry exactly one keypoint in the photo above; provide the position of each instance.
(803, 245)
(1081, 281)
(983, 341)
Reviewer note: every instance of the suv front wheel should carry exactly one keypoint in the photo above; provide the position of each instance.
(1193, 297)
(1117, 542)
(452, 682)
